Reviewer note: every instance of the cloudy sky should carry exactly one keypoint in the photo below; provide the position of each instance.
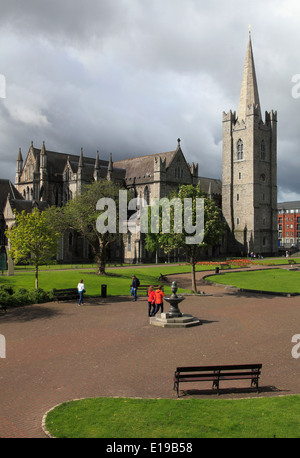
(131, 76)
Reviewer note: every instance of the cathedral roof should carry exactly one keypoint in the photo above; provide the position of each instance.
(142, 168)
(7, 188)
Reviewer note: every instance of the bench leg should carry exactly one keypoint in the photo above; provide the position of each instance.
(175, 387)
(216, 385)
(255, 383)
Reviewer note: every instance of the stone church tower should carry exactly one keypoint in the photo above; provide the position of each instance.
(249, 188)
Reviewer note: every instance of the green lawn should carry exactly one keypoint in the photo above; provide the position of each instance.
(168, 418)
(276, 280)
(118, 281)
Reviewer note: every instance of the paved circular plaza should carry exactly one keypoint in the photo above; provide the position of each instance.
(56, 352)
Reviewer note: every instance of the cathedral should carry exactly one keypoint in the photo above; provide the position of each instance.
(247, 193)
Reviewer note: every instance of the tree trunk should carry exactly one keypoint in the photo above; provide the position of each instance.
(194, 286)
(36, 277)
(101, 258)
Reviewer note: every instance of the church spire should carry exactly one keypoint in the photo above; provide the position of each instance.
(249, 91)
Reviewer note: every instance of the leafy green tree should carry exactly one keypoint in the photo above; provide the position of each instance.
(81, 214)
(176, 237)
(33, 238)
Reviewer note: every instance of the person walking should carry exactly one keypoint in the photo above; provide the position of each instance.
(134, 286)
(81, 290)
(159, 300)
(151, 301)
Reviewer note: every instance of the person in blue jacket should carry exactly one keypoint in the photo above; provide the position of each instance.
(134, 286)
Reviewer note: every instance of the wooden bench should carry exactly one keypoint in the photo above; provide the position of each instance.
(65, 294)
(224, 266)
(144, 288)
(217, 373)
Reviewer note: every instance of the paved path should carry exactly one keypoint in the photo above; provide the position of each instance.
(59, 351)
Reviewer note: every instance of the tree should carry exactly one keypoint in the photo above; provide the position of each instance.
(32, 237)
(177, 235)
(82, 213)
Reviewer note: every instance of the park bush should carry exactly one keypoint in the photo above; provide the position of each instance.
(22, 296)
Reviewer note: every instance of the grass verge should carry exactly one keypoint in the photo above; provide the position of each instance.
(168, 418)
(275, 280)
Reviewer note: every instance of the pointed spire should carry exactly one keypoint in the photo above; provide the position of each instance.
(43, 150)
(97, 161)
(20, 158)
(80, 162)
(249, 91)
(110, 168)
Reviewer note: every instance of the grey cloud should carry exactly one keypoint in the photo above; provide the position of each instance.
(131, 76)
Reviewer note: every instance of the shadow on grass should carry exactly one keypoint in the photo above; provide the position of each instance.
(262, 390)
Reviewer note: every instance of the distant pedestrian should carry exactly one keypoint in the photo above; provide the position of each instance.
(159, 300)
(134, 286)
(151, 301)
(81, 290)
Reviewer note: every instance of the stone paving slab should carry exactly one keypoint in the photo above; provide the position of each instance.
(56, 352)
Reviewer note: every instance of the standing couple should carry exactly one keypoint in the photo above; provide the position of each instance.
(155, 300)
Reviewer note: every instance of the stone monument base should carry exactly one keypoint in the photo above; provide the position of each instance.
(164, 320)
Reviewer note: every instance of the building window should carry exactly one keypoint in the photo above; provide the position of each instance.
(238, 221)
(237, 197)
(240, 176)
(147, 195)
(264, 241)
(240, 150)
(263, 151)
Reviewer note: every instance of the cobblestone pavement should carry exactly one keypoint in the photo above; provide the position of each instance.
(59, 351)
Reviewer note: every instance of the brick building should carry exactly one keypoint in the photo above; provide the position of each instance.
(289, 224)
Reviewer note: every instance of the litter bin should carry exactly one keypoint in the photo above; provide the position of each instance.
(217, 270)
(103, 290)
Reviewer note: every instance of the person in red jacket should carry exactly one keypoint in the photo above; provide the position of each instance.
(151, 301)
(159, 300)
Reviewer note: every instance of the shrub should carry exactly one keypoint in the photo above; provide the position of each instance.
(22, 296)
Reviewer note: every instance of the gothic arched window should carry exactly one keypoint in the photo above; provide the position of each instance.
(147, 195)
(240, 150)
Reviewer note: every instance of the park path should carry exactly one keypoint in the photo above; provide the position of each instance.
(56, 352)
